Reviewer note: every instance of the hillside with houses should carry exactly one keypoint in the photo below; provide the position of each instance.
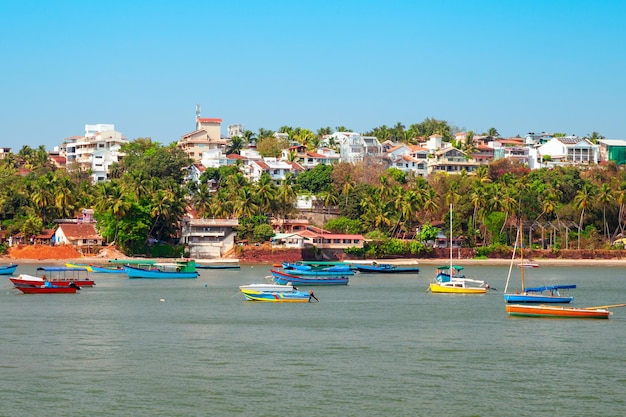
(334, 192)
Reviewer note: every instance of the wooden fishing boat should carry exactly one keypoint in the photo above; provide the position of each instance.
(551, 311)
(174, 270)
(284, 278)
(8, 269)
(84, 266)
(537, 295)
(63, 276)
(101, 269)
(218, 266)
(265, 287)
(376, 268)
(50, 289)
(278, 296)
(60, 276)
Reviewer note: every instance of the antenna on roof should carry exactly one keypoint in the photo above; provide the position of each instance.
(197, 111)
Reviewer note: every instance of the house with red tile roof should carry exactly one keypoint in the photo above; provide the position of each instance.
(84, 236)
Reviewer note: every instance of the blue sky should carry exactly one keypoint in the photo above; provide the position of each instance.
(518, 66)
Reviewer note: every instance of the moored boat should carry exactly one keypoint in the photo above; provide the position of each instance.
(551, 311)
(63, 276)
(48, 288)
(459, 286)
(284, 278)
(377, 268)
(546, 294)
(218, 266)
(278, 296)
(8, 269)
(113, 269)
(269, 287)
(172, 270)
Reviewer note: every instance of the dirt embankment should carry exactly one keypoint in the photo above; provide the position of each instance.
(62, 252)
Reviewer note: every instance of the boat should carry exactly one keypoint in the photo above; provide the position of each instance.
(284, 278)
(377, 268)
(8, 269)
(278, 296)
(102, 269)
(217, 266)
(551, 311)
(331, 271)
(179, 269)
(48, 288)
(459, 286)
(528, 264)
(84, 266)
(545, 294)
(60, 276)
(269, 287)
(449, 279)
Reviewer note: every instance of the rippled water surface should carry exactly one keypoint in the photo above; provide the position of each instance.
(381, 346)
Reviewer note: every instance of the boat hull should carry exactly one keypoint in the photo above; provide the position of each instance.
(133, 272)
(276, 296)
(556, 312)
(444, 289)
(106, 270)
(8, 269)
(200, 266)
(537, 299)
(284, 278)
(47, 290)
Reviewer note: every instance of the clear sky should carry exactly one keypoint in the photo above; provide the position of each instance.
(518, 66)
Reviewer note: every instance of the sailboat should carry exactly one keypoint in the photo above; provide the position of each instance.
(545, 294)
(451, 280)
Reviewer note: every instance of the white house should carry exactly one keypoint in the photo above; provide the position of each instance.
(569, 150)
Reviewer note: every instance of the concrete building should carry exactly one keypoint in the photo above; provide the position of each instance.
(95, 152)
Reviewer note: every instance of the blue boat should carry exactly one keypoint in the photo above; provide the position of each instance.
(107, 269)
(284, 278)
(376, 268)
(177, 270)
(278, 296)
(333, 271)
(539, 295)
(8, 269)
(543, 295)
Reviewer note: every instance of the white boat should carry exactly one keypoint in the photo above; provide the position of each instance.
(269, 287)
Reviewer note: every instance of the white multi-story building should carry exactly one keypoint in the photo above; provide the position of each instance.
(354, 147)
(95, 152)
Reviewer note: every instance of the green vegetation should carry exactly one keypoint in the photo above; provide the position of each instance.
(147, 197)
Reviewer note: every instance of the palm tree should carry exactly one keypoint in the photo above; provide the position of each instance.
(582, 200)
(605, 196)
(235, 146)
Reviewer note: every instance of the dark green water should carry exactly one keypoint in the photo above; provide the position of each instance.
(381, 346)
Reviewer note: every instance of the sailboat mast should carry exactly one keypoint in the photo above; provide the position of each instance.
(450, 239)
(521, 251)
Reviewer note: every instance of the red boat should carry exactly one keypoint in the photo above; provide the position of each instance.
(71, 289)
(25, 280)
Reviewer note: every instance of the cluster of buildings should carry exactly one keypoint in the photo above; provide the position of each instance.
(100, 147)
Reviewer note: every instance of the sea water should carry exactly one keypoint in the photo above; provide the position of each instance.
(381, 346)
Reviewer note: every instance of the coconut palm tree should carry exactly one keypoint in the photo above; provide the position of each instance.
(582, 200)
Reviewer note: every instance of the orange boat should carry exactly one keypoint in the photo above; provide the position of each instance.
(557, 311)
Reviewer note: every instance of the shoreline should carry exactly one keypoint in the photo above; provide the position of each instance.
(407, 261)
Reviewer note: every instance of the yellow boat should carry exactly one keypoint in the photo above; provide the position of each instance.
(459, 286)
(86, 267)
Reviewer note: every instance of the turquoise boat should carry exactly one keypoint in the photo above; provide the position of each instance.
(285, 278)
(8, 269)
(176, 270)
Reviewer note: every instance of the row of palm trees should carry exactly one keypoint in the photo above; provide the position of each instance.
(147, 198)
